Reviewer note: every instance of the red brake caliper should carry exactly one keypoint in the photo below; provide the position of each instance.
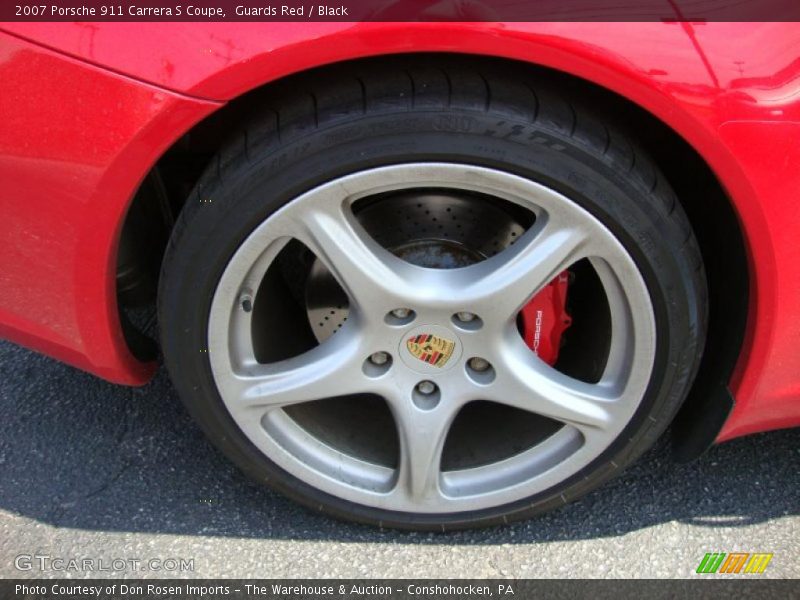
(545, 318)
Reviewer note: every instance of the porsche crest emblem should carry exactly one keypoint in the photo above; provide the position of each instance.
(430, 348)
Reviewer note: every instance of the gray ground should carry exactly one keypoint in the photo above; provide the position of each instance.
(89, 469)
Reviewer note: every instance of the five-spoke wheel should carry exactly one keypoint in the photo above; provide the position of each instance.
(431, 297)
(467, 315)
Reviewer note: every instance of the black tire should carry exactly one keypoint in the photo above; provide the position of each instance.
(406, 111)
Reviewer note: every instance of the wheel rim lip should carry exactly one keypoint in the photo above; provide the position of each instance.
(367, 484)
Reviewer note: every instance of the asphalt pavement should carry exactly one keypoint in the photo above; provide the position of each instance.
(114, 474)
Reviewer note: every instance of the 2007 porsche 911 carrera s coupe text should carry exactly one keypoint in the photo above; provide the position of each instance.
(419, 275)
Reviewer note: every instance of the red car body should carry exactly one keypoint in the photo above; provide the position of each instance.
(87, 109)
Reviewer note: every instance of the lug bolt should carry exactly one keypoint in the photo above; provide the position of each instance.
(401, 313)
(426, 388)
(478, 364)
(464, 316)
(379, 358)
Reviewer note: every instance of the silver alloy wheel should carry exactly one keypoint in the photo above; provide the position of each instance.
(377, 283)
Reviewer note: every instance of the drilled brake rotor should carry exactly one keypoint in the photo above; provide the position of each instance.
(434, 229)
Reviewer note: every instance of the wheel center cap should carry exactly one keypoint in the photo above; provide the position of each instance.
(430, 349)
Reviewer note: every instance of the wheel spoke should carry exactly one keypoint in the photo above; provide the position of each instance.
(529, 384)
(331, 369)
(422, 437)
(370, 274)
(503, 284)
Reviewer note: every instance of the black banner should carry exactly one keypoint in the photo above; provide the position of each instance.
(399, 589)
(400, 10)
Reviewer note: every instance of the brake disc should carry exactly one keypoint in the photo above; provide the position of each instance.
(435, 229)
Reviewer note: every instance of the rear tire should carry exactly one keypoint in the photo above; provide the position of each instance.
(362, 119)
